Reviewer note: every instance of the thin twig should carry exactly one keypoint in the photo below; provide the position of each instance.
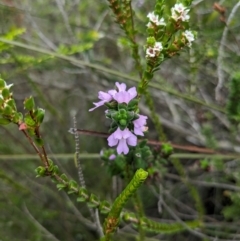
(79, 216)
(65, 17)
(39, 225)
(98, 223)
(205, 184)
(41, 35)
(35, 148)
(150, 142)
(223, 43)
(194, 232)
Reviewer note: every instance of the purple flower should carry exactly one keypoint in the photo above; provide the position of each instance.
(122, 139)
(104, 97)
(140, 125)
(121, 87)
(125, 96)
(121, 96)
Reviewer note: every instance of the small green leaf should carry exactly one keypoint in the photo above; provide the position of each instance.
(61, 186)
(6, 93)
(73, 184)
(167, 149)
(4, 121)
(40, 171)
(82, 195)
(18, 117)
(2, 84)
(29, 103)
(55, 169)
(133, 104)
(64, 177)
(39, 141)
(12, 103)
(7, 110)
(29, 121)
(104, 207)
(1, 100)
(93, 201)
(39, 115)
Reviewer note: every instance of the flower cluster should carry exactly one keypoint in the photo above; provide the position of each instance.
(154, 20)
(154, 51)
(180, 12)
(122, 110)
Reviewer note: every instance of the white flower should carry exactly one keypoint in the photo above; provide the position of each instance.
(155, 19)
(180, 12)
(179, 7)
(154, 51)
(158, 46)
(189, 36)
(149, 25)
(185, 17)
(150, 52)
(161, 22)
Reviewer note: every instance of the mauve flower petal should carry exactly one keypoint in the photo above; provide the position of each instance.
(122, 97)
(112, 141)
(112, 92)
(133, 92)
(118, 134)
(97, 104)
(132, 140)
(141, 121)
(138, 131)
(122, 147)
(104, 96)
(126, 133)
(121, 87)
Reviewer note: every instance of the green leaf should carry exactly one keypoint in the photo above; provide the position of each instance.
(7, 110)
(6, 93)
(82, 195)
(4, 121)
(29, 121)
(73, 184)
(39, 115)
(93, 201)
(167, 149)
(18, 117)
(40, 171)
(64, 177)
(39, 141)
(104, 207)
(29, 103)
(12, 103)
(2, 84)
(61, 186)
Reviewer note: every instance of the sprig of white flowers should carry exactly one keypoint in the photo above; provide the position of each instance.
(179, 18)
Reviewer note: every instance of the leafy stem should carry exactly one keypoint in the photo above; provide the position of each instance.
(112, 221)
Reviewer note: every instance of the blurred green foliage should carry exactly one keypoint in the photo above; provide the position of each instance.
(32, 209)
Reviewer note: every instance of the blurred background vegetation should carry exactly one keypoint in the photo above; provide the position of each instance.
(60, 38)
